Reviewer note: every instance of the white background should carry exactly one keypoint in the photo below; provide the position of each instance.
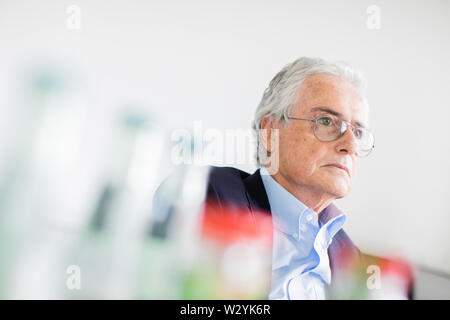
(212, 60)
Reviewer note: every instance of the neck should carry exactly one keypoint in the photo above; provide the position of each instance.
(313, 198)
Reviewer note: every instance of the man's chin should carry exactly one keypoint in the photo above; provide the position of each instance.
(338, 190)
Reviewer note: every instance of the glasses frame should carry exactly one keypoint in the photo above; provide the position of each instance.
(347, 124)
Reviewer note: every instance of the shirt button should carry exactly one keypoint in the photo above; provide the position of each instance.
(309, 217)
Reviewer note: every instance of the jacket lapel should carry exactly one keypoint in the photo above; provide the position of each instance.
(256, 193)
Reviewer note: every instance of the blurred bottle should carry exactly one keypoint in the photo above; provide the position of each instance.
(234, 259)
(108, 252)
(395, 279)
(195, 251)
(174, 233)
(35, 209)
(371, 278)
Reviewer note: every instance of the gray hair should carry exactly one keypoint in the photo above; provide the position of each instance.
(282, 92)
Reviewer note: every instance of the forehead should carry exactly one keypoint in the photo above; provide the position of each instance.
(325, 90)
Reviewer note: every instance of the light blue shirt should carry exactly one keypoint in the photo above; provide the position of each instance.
(300, 265)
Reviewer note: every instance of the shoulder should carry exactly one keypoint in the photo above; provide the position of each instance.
(344, 241)
(223, 176)
(226, 186)
(342, 247)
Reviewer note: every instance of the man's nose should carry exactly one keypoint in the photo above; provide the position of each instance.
(347, 142)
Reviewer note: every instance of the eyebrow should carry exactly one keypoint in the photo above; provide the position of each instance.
(335, 113)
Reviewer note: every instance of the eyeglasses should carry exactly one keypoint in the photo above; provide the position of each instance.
(330, 128)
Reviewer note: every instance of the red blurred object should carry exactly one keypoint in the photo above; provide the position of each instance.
(399, 269)
(228, 224)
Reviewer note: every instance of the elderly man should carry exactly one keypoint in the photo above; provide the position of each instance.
(312, 130)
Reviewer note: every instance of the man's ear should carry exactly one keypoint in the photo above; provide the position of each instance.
(269, 134)
(265, 134)
(268, 127)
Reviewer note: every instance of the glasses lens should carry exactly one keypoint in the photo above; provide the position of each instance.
(329, 128)
(365, 141)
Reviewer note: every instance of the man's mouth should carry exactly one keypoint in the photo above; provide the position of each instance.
(339, 166)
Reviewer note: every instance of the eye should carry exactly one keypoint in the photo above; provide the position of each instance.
(325, 121)
(359, 133)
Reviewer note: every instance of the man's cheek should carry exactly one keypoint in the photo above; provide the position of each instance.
(354, 170)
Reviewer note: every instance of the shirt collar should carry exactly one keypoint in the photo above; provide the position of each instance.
(286, 209)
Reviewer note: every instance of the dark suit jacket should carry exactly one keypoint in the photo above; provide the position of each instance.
(234, 188)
